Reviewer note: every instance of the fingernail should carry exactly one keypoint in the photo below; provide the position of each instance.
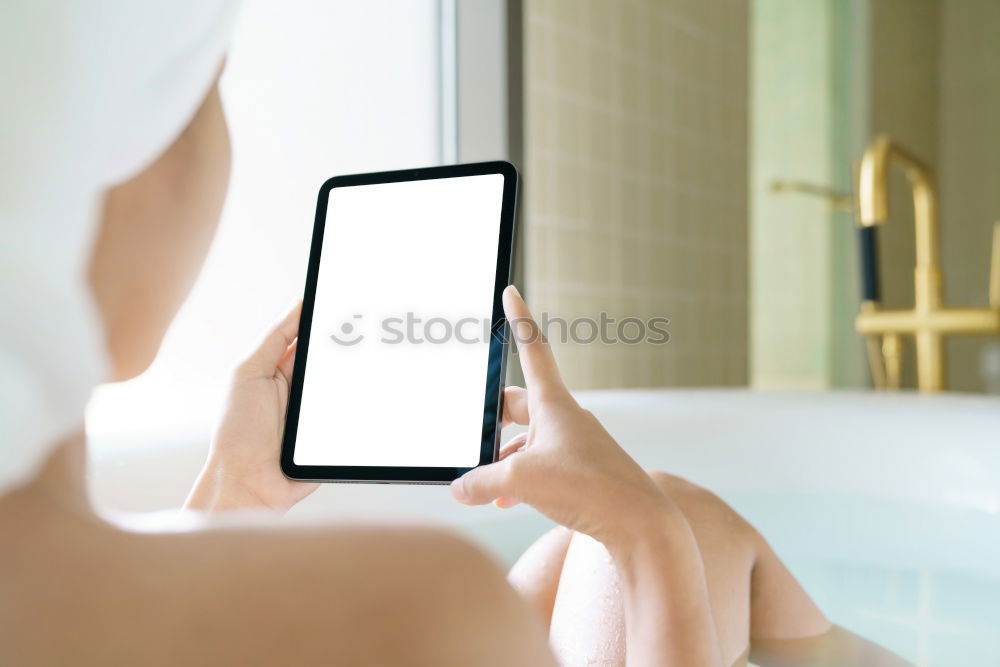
(516, 291)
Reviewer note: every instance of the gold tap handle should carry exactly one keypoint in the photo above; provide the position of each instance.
(876, 362)
(876, 358)
(892, 350)
(995, 268)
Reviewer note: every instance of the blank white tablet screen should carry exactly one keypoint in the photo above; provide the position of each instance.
(399, 345)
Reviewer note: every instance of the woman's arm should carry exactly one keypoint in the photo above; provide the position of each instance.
(569, 468)
(668, 620)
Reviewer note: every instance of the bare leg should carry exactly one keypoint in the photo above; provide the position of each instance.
(536, 573)
(751, 592)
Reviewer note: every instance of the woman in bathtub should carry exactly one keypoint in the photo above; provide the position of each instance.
(114, 160)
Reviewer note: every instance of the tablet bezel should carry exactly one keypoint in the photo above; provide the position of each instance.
(497, 362)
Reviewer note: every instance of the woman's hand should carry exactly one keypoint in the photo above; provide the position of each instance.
(242, 470)
(571, 470)
(566, 466)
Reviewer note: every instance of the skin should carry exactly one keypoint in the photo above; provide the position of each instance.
(671, 571)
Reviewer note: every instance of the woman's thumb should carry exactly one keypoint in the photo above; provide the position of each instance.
(482, 485)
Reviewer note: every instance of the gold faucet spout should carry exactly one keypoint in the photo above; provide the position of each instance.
(873, 186)
(873, 209)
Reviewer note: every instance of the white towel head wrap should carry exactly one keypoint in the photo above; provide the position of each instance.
(93, 91)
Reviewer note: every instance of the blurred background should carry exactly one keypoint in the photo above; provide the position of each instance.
(687, 159)
(653, 137)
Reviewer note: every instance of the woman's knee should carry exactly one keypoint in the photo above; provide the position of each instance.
(706, 511)
(681, 490)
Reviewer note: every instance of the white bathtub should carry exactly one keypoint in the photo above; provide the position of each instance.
(886, 506)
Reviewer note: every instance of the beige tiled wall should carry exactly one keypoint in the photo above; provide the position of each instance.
(636, 182)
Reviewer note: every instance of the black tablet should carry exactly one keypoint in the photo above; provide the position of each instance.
(401, 355)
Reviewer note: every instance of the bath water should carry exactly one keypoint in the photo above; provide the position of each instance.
(922, 580)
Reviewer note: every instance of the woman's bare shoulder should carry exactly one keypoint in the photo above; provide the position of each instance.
(260, 595)
(347, 586)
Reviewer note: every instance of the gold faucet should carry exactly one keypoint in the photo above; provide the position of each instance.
(930, 320)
